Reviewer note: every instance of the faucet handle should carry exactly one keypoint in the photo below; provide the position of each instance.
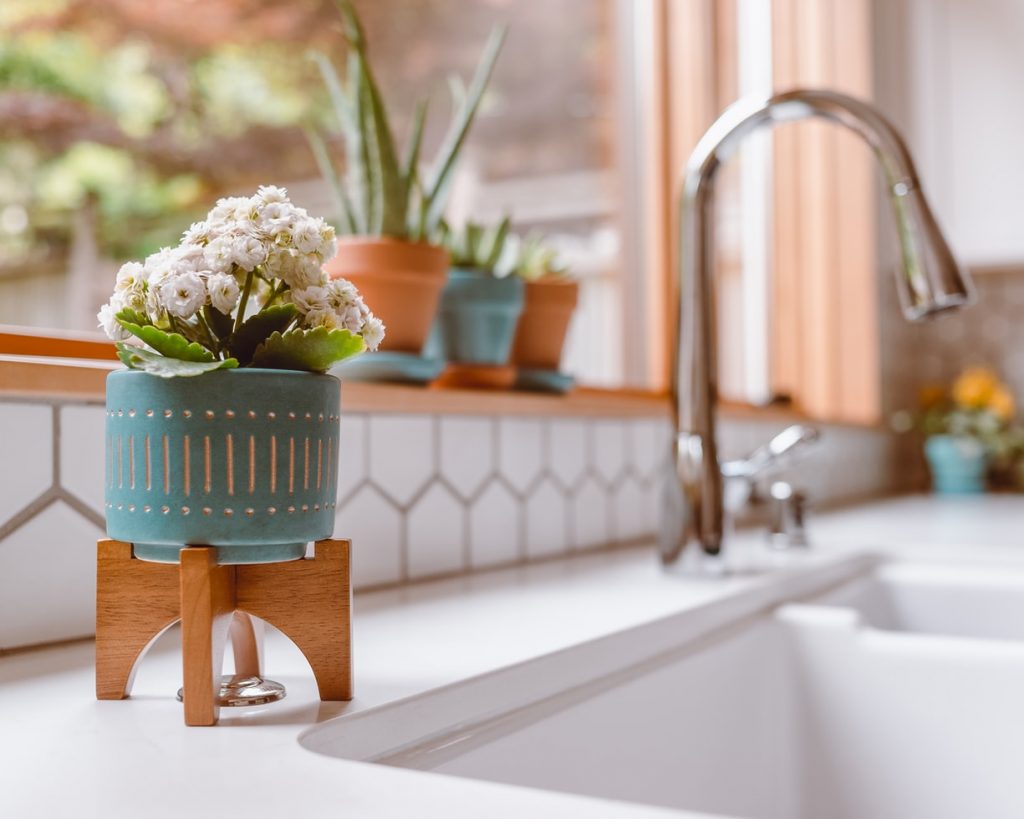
(776, 453)
(788, 516)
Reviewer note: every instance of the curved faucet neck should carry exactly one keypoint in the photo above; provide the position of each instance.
(929, 282)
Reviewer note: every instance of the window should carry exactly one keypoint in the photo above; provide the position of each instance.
(124, 121)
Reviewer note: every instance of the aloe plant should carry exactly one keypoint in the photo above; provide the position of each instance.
(538, 261)
(477, 246)
(382, 194)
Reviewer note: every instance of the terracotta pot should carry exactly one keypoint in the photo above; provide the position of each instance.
(543, 324)
(400, 281)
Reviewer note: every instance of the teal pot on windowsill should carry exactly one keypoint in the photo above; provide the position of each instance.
(958, 465)
(477, 318)
(244, 460)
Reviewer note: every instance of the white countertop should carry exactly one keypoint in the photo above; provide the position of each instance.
(64, 754)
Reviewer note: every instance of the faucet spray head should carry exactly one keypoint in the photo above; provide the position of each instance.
(929, 280)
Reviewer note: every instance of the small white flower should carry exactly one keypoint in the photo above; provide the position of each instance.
(157, 264)
(198, 233)
(223, 290)
(351, 318)
(183, 295)
(272, 193)
(297, 270)
(306, 237)
(321, 317)
(312, 298)
(219, 254)
(131, 276)
(109, 323)
(342, 293)
(373, 332)
(131, 299)
(247, 252)
(189, 259)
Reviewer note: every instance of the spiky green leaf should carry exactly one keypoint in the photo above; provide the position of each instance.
(391, 191)
(410, 168)
(346, 219)
(494, 244)
(313, 350)
(171, 345)
(437, 188)
(258, 328)
(138, 359)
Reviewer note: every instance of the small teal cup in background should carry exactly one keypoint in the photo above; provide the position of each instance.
(958, 465)
(477, 318)
(244, 460)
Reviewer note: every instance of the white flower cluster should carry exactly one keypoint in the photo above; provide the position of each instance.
(337, 305)
(264, 233)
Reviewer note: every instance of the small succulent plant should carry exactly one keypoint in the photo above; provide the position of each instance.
(479, 247)
(381, 194)
(538, 261)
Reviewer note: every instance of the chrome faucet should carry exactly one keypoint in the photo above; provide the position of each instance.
(929, 281)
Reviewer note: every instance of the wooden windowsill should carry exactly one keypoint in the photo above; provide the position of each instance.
(79, 379)
(48, 377)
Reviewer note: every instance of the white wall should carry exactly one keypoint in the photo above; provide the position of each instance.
(950, 73)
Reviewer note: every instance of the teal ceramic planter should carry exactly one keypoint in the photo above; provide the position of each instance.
(958, 465)
(244, 460)
(477, 318)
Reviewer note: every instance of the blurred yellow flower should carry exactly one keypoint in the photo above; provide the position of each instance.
(975, 387)
(1001, 404)
(931, 395)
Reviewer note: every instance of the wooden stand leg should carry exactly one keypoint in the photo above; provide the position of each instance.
(247, 644)
(311, 602)
(135, 603)
(207, 605)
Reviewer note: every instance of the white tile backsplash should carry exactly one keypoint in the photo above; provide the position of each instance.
(494, 527)
(520, 451)
(81, 453)
(26, 455)
(436, 532)
(352, 455)
(48, 578)
(467, 453)
(419, 495)
(630, 520)
(567, 451)
(401, 454)
(591, 524)
(375, 527)
(648, 446)
(546, 521)
(609, 449)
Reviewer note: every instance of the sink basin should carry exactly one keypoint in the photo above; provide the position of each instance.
(950, 599)
(841, 708)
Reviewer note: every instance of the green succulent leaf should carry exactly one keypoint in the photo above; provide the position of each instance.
(258, 328)
(170, 345)
(310, 350)
(133, 316)
(155, 364)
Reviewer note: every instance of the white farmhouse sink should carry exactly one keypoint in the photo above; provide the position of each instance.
(951, 599)
(841, 709)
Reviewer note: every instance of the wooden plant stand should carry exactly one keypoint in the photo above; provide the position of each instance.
(136, 601)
